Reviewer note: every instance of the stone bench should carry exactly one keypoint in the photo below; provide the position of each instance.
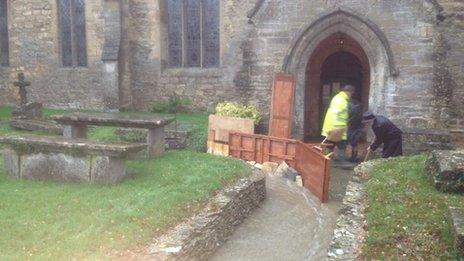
(66, 160)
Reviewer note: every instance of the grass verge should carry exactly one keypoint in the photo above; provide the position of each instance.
(46, 220)
(42, 220)
(406, 216)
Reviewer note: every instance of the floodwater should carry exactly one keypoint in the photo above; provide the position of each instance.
(290, 225)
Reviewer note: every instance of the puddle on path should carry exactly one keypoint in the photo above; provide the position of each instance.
(290, 225)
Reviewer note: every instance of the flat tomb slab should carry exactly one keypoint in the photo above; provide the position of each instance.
(105, 119)
(457, 223)
(58, 159)
(446, 170)
(34, 143)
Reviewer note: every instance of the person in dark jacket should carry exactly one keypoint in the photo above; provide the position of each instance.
(355, 127)
(385, 132)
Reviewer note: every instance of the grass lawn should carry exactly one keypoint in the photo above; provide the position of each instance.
(198, 122)
(406, 216)
(47, 220)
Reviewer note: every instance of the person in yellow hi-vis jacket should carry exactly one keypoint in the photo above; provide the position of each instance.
(336, 120)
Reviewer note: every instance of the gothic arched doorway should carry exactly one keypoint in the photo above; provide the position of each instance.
(338, 60)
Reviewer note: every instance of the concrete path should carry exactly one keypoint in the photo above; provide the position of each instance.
(290, 225)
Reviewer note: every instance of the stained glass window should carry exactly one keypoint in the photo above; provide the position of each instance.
(193, 33)
(79, 32)
(211, 33)
(175, 32)
(72, 33)
(4, 48)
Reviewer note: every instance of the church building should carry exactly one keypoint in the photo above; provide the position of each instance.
(405, 57)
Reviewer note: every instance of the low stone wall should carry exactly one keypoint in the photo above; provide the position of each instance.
(176, 136)
(199, 237)
(417, 140)
(349, 233)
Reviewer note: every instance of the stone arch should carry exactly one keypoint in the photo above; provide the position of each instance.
(337, 19)
(334, 47)
(368, 35)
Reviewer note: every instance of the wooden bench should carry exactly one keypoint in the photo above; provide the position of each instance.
(66, 160)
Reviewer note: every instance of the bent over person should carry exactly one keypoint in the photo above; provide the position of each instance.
(336, 120)
(385, 132)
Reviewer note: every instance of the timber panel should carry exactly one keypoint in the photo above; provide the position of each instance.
(262, 148)
(280, 124)
(314, 168)
(307, 159)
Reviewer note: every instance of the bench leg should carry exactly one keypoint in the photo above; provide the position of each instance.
(75, 131)
(156, 143)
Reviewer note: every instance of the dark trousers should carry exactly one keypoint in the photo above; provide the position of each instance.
(393, 146)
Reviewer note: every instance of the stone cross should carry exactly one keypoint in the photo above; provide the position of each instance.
(22, 84)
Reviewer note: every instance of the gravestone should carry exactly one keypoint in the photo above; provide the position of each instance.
(28, 115)
(446, 170)
(25, 109)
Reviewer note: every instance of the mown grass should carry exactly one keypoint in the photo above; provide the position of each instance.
(197, 121)
(406, 217)
(47, 220)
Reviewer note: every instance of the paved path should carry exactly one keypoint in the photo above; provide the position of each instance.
(290, 225)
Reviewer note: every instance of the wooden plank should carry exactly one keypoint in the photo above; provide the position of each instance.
(219, 128)
(280, 124)
(309, 161)
(314, 168)
(222, 126)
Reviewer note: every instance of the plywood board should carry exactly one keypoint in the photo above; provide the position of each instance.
(307, 159)
(280, 124)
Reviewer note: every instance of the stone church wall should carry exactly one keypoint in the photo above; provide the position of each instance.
(252, 52)
(452, 29)
(425, 37)
(35, 49)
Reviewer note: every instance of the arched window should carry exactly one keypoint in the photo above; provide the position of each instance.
(193, 33)
(4, 47)
(72, 32)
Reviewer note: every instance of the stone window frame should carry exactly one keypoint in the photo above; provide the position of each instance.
(195, 70)
(74, 47)
(5, 62)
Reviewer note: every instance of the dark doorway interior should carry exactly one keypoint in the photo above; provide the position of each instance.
(338, 70)
(338, 60)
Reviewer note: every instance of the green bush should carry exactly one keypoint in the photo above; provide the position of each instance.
(234, 109)
(173, 105)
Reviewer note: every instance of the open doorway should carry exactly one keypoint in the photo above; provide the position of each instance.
(338, 60)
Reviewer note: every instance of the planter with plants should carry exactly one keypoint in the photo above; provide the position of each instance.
(230, 117)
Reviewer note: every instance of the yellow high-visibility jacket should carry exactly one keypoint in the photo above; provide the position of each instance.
(337, 115)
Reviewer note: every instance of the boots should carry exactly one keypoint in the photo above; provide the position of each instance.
(354, 155)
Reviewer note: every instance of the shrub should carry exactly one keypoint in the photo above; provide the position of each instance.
(173, 105)
(234, 109)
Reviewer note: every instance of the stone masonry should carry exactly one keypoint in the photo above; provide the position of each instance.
(415, 52)
(201, 235)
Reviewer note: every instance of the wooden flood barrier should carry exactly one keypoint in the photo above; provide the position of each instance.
(308, 160)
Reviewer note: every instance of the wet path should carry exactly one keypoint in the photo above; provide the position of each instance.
(290, 225)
